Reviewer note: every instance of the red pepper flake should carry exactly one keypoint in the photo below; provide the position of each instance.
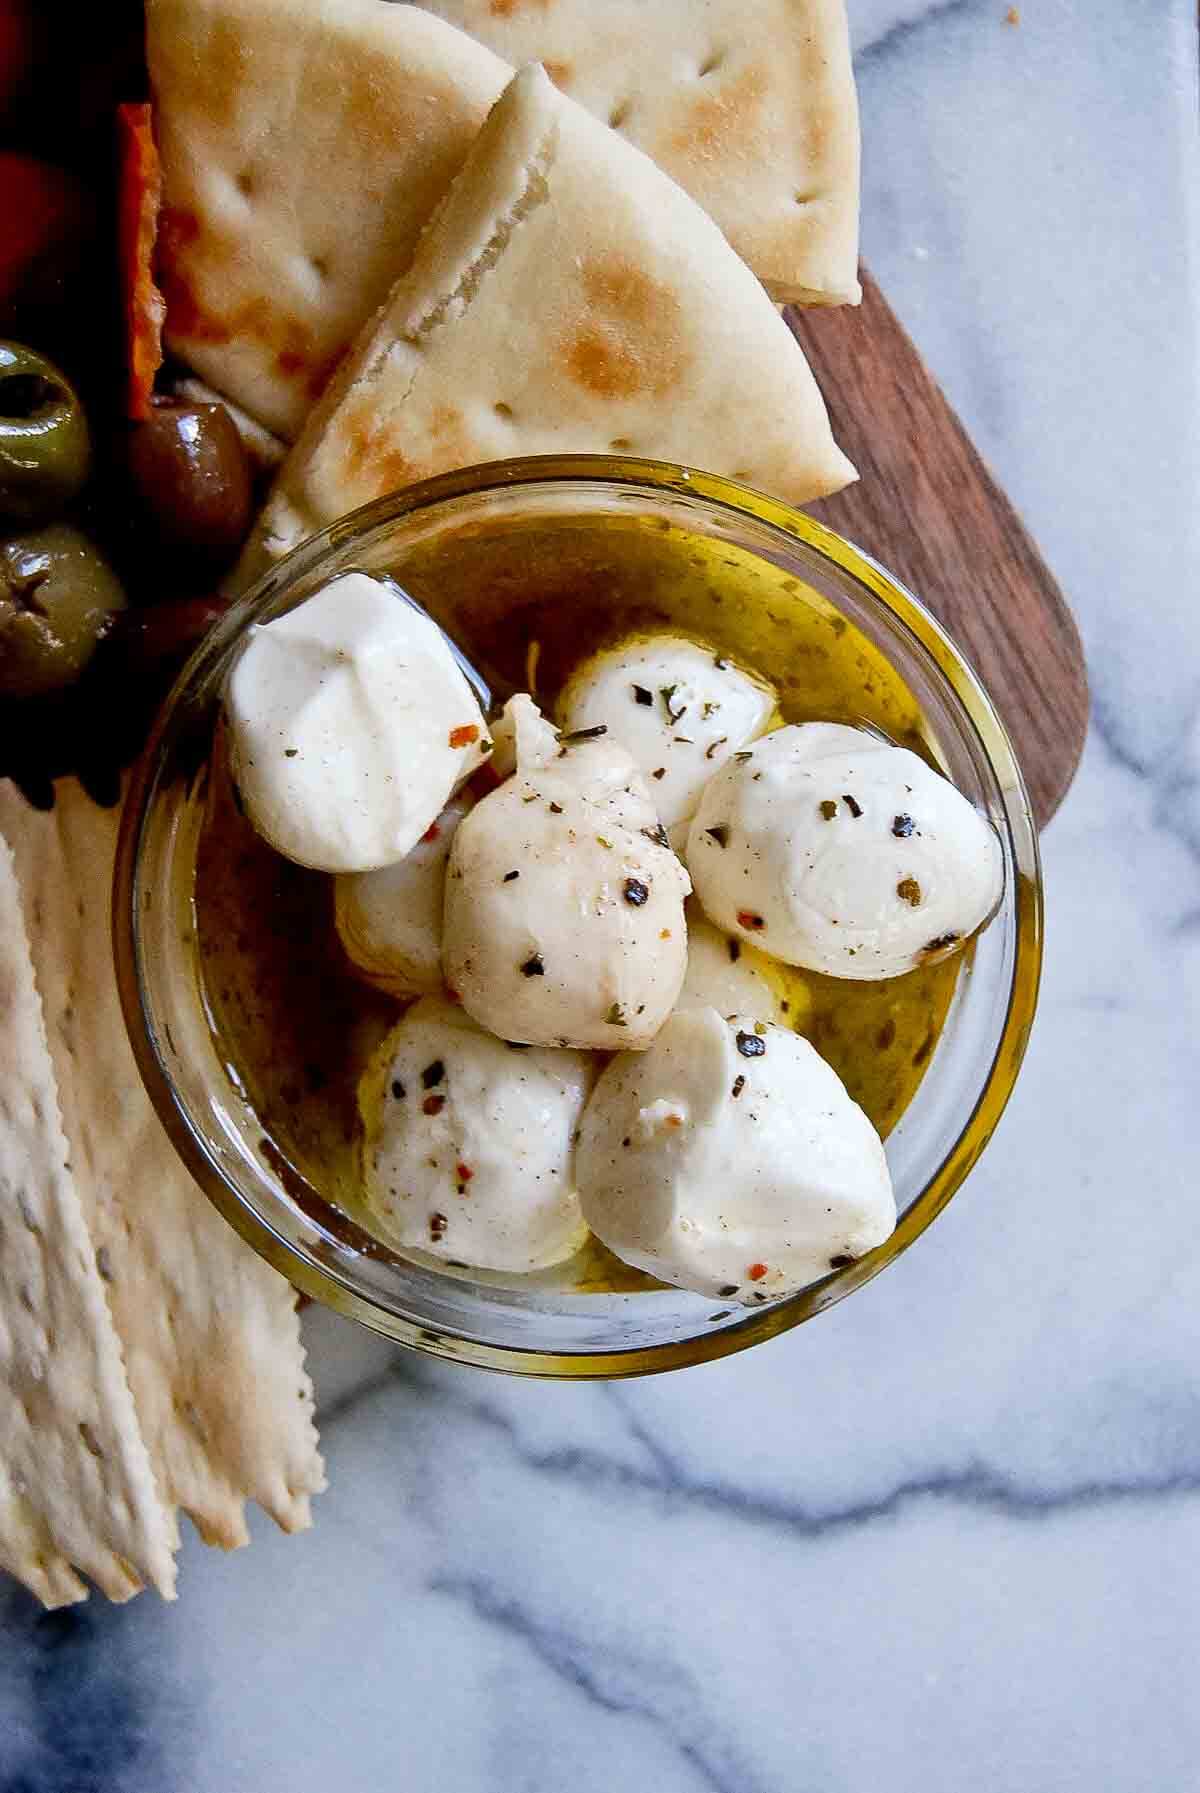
(432, 832)
(659, 772)
(464, 735)
(437, 1226)
(453, 996)
(464, 1172)
(756, 1272)
(747, 919)
(852, 805)
(433, 1105)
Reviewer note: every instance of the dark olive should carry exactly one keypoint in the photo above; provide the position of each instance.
(192, 474)
(58, 598)
(44, 448)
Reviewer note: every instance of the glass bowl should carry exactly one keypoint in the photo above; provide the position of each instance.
(565, 510)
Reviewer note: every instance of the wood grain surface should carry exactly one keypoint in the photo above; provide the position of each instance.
(926, 507)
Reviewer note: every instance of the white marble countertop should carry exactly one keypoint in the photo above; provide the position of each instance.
(948, 1535)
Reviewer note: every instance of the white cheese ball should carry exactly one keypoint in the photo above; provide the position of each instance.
(725, 974)
(729, 1159)
(469, 1143)
(564, 920)
(681, 710)
(390, 921)
(834, 850)
(350, 725)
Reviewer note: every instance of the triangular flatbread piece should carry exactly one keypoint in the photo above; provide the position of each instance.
(210, 1332)
(748, 104)
(304, 144)
(77, 1492)
(568, 296)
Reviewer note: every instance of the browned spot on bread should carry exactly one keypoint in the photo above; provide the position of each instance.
(719, 118)
(504, 9)
(559, 73)
(371, 464)
(628, 340)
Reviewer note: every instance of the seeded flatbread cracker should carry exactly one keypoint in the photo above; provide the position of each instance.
(749, 104)
(77, 1492)
(210, 1332)
(567, 297)
(304, 144)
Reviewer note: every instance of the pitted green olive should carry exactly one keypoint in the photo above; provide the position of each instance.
(58, 598)
(44, 446)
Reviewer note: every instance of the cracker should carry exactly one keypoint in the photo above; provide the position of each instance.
(76, 1488)
(567, 297)
(749, 104)
(210, 1332)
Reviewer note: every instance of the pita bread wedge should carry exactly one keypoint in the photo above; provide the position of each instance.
(210, 1333)
(304, 144)
(77, 1492)
(748, 104)
(567, 297)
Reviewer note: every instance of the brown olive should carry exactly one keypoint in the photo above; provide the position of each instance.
(192, 474)
(58, 598)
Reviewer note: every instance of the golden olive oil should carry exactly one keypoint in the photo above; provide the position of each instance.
(296, 1027)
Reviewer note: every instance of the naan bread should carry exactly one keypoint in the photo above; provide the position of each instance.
(567, 297)
(210, 1333)
(77, 1492)
(748, 104)
(304, 144)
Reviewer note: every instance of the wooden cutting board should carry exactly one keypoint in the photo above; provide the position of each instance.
(927, 508)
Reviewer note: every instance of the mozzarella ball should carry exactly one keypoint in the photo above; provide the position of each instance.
(469, 1143)
(725, 974)
(729, 1159)
(679, 709)
(834, 850)
(564, 920)
(350, 725)
(390, 921)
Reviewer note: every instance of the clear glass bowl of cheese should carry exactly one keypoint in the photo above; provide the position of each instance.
(251, 1030)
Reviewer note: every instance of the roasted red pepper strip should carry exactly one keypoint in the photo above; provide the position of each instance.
(140, 198)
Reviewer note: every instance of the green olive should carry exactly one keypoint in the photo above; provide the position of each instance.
(192, 474)
(44, 446)
(58, 598)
